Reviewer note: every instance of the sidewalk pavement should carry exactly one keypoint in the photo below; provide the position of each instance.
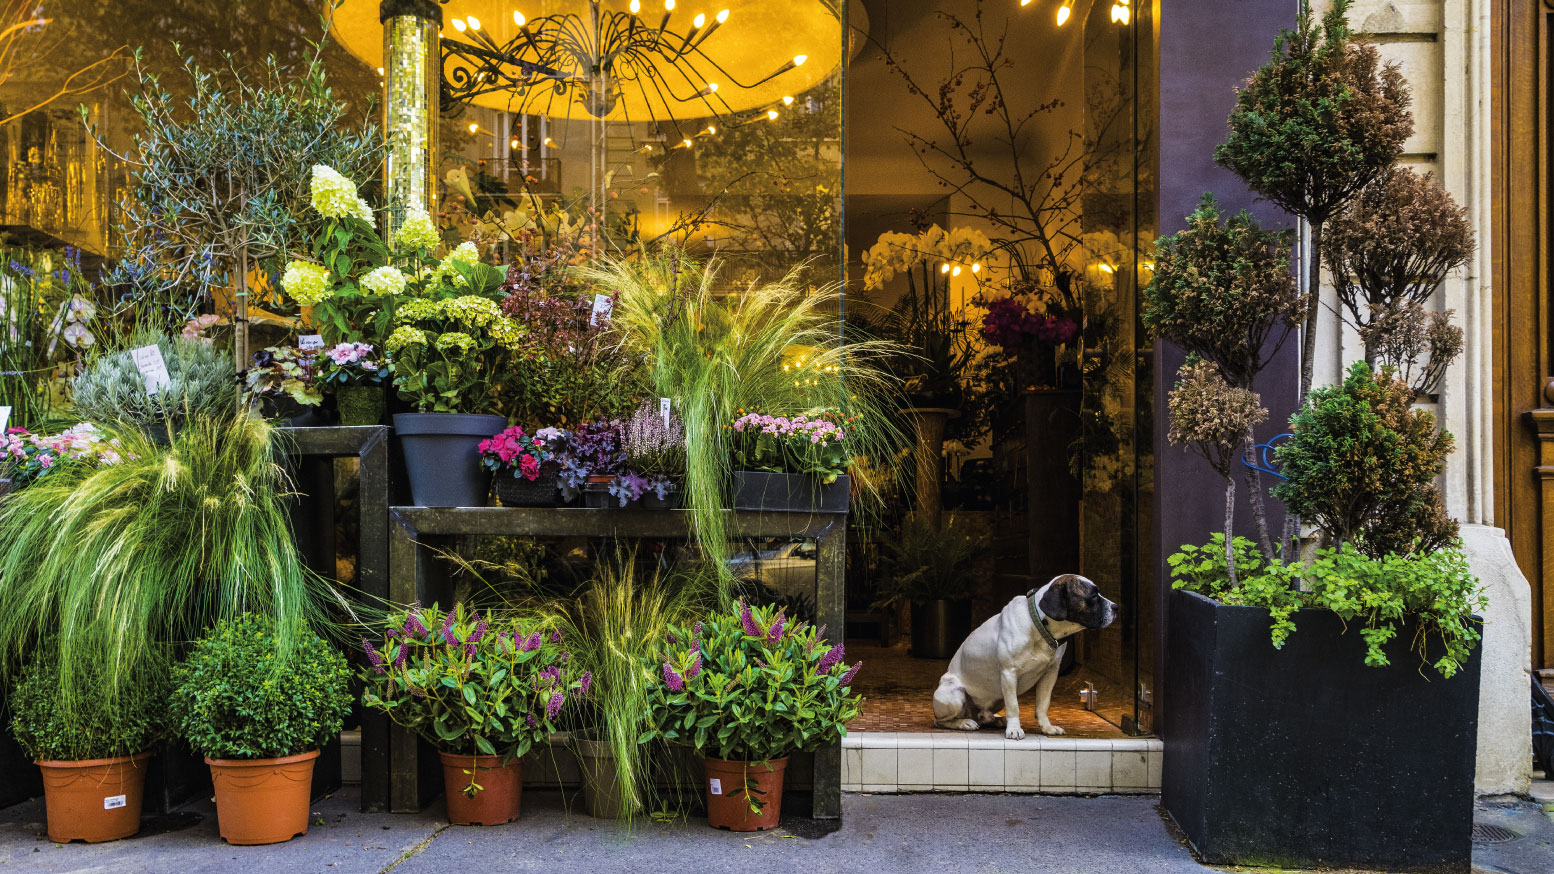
(880, 834)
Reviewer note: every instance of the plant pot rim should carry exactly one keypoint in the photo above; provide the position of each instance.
(1304, 611)
(595, 479)
(91, 763)
(477, 758)
(770, 764)
(279, 760)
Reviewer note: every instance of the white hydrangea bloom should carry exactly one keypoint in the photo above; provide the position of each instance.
(334, 196)
(466, 252)
(307, 283)
(417, 232)
(384, 280)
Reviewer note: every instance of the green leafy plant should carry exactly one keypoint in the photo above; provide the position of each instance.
(94, 728)
(47, 316)
(286, 371)
(112, 389)
(810, 445)
(469, 684)
(929, 560)
(449, 355)
(1362, 466)
(750, 685)
(1378, 593)
(234, 699)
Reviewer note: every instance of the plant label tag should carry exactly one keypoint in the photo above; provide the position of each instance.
(663, 410)
(5, 418)
(602, 308)
(113, 802)
(310, 342)
(148, 359)
(715, 786)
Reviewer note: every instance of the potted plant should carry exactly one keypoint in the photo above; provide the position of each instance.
(92, 749)
(523, 468)
(482, 691)
(929, 564)
(358, 377)
(797, 463)
(654, 442)
(112, 390)
(592, 463)
(746, 689)
(259, 702)
(27, 457)
(285, 381)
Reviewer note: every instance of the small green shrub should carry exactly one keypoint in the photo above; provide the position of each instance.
(236, 697)
(204, 385)
(1376, 592)
(93, 728)
(930, 560)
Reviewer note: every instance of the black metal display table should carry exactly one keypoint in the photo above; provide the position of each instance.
(398, 777)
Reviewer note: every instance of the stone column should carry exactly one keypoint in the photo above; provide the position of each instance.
(412, 76)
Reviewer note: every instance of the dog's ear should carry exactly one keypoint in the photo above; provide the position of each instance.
(1055, 601)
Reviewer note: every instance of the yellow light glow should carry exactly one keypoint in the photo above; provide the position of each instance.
(722, 16)
(944, 268)
(976, 268)
(787, 100)
(685, 143)
(459, 25)
(955, 271)
(473, 127)
(699, 20)
(668, 5)
(771, 114)
(1107, 268)
(512, 144)
(712, 129)
(380, 71)
(518, 18)
(549, 142)
(1025, 2)
(474, 23)
(636, 6)
(1120, 12)
(712, 87)
(798, 60)
(1065, 11)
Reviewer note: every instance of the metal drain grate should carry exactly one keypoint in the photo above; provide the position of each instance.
(1492, 834)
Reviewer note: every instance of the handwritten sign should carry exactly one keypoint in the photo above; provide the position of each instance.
(603, 306)
(663, 410)
(310, 342)
(149, 361)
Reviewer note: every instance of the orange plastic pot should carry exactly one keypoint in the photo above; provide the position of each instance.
(262, 801)
(730, 787)
(94, 799)
(499, 798)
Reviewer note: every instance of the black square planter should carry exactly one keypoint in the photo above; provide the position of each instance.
(1305, 757)
(789, 492)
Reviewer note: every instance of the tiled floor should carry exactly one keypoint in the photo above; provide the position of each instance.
(984, 762)
(898, 697)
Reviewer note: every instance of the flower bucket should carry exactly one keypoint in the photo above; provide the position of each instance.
(95, 799)
(500, 797)
(263, 801)
(360, 405)
(729, 787)
(515, 491)
(442, 457)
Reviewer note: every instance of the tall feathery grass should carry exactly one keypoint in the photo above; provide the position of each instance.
(716, 354)
(119, 565)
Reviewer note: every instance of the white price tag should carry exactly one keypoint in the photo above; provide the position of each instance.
(5, 418)
(715, 786)
(603, 305)
(113, 802)
(310, 342)
(148, 359)
(663, 410)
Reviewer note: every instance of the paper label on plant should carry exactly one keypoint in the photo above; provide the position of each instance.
(715, 786)
(148, 359)
(663, 410)
(113, 802)
(602, 308)
(5, 418)
(310, 342)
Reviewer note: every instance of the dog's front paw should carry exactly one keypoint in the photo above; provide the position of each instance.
(1052, 730)
(1014, 731)
(967, 725)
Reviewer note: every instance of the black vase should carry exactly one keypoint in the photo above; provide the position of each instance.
(442, 456)
(939, 628)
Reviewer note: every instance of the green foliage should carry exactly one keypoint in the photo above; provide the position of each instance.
(450, 356)
(119, 561)
(1378, 593)
(927, 561)
(204, 386)
(467, 684)
(46, 319)
(813, 446)
(286, 371)
(241, 695)
(749, 685)
(97, 727)
(1362, 466)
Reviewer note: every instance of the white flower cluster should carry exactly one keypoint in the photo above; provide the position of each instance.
(417, 232)
(335, 196)
(896, 253)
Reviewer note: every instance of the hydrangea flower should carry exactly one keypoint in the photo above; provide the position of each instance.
(455, 340)
(465, 253)
(417, 232)
(334, 196)
(384, 280)
(403, 336)
(307, 283)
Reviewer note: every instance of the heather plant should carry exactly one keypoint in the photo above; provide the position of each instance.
(1312, 127)
(1362, 465)
(654, 443)
(1389, 250)
(48, 729)
(112, 389)
(233, 699)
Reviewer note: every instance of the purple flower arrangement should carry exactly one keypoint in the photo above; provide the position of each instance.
(347, 364)
(654, 443)
(1010, 324)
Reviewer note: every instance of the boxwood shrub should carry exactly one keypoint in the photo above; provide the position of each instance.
(93, 727)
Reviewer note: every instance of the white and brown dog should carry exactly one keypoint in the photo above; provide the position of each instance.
(1019, 647)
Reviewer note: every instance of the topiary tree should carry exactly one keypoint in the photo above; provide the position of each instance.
(1388, 251)
(1215, 419)
(1313, 126)
(1226, 294)
(1362, 464)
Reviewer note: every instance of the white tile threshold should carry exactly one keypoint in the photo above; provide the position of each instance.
(953, 761)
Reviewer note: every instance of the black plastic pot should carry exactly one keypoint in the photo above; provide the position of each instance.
(670, 501)
(602, 792)
(442, 457)
(515, 491)
(939, 628)
(1304, 757)
(759, 490)
(596, 495)
(287, 413)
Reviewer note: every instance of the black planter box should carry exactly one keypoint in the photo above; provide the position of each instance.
(1305, 757)
(789, 492)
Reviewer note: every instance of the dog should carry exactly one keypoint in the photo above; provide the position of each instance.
(1008, 654)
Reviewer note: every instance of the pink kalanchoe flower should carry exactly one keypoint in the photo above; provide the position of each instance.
(847, 678)
(672, 679)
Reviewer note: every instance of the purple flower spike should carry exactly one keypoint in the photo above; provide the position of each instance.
(847, 678)
(696, 629)
(776, 633)
(372, 656)
(695, 668)
(446, 633)
(585, 683)
(480, 631)
(531, 721)
(553, 706)
(413, 626)
(751, 627)
(533, 643)
(399, 656)
(830, 659)
(672, 679)
(555, 636)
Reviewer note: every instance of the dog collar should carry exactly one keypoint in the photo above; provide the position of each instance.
(1039, 619)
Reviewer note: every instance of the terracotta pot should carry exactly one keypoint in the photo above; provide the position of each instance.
(730, 786)
(94, 799)
(263, 801)
(501, 789)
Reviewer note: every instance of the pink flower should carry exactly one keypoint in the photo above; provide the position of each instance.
(529, 467)
(672, 679)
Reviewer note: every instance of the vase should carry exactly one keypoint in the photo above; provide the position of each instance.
(262, 801)
(93, 800)
(515, 491)
(442, 456)
(499, 798)
(730, 786)
(360, 405)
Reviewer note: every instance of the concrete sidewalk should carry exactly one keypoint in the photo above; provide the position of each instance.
(933, 834)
